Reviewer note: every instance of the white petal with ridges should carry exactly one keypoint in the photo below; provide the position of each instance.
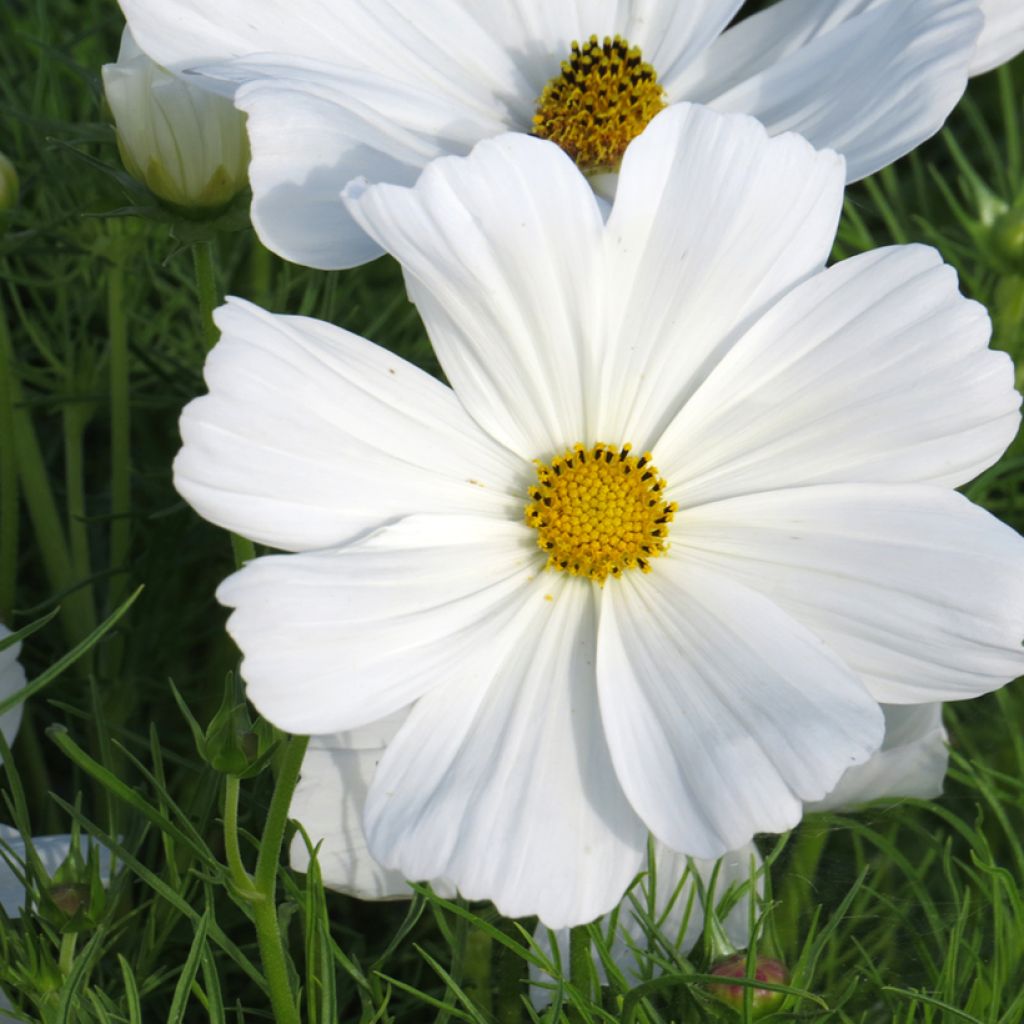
(917, 590)
(877, 370)
(871, 80)
(912, 760)
(337, 639)
(311, 436)
(501, 255)
(722, 714)
(1002, 38)
(712, 222)
(502, 782)
(328, 803)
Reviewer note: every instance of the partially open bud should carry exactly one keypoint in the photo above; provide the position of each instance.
(764, 1000)
(187, 145)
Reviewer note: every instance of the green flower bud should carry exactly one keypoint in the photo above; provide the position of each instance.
(1007, 237)
(766, 968)
(8, 184)
(233, 743)
(187, 145)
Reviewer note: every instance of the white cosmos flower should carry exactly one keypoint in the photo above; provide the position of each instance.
(379, 88)
(809, 426)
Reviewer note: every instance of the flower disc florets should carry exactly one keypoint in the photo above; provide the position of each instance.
(602, 100)
(600, 510)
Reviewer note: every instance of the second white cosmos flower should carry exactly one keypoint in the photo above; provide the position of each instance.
(683, 519)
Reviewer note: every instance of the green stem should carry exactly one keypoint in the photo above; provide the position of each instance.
(206, 286)
(8, 480)
(77, 614)
(120, 431)
(244, 550)
(232, 850)
(74, 418)
(67, 953)
(268, 932)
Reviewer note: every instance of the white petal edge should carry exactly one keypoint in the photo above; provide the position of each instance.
(723, 715)
(337, 639)
(712, 222)
(876, 370)
(912, 761)
(872, 86)
(1002, 38)
(920, 592)
(501, 255)
(311, 435)
(328, 803)
(503, 784)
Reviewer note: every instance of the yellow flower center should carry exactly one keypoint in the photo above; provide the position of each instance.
(599, 511)
(602, 100)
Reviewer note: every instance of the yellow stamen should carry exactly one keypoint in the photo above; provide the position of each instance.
(599, 511)
(602, 100)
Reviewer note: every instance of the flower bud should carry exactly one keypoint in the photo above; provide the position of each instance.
(764, 1000)
(187, 145)
(1007, 237)
(70, 897)
(8, 184)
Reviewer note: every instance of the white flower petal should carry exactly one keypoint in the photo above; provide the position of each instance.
(869, 78)
(670, 35)
(503, 784)
(337, 639)
(12, 679)
(328, 803)
(500, 251)
(672, 894)
(916, 589)
(314, 127)
(1002, 38)
(440, 45)
(877, 370)
(912, 761)
(722, 714)
(311, 435)
(712, 222)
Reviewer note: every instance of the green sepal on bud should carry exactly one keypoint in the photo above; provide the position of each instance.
(763, 1000)
(232, 742)
(76, 898)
